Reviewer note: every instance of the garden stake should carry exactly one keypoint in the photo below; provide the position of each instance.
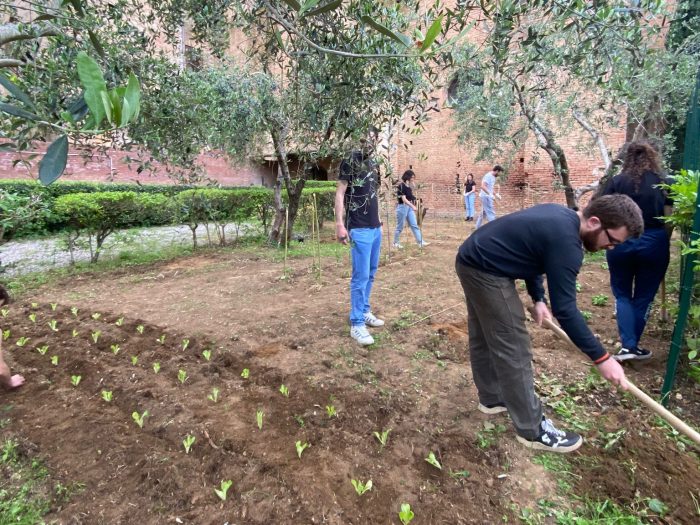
(657, 408)
(286, 239)
(436, 313)
(664, 312)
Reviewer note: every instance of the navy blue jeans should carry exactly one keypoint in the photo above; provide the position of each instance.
(637, 268)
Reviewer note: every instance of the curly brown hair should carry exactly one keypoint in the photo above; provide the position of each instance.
(640, 157)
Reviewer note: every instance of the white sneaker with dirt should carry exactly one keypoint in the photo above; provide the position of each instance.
(495, 408)
(372, 321)
(552, 439)
(361, 335)
(636, 354)
(397, 246)
(424, 244)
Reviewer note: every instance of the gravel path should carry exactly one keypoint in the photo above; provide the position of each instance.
(26, 256)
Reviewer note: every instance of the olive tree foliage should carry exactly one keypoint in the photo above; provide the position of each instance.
(333, 70)
(547, 67)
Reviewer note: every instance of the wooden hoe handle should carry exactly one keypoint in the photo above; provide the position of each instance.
(657, 408)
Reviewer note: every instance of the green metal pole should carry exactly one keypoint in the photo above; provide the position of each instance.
(691, 161)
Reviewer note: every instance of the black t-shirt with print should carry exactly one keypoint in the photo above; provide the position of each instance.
(404, 190)
(361, 198)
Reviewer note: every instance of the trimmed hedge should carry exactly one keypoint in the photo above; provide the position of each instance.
(69, 209)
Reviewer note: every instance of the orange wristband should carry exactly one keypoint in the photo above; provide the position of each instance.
(602, 359)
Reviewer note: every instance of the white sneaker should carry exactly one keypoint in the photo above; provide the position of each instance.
(361, 335)
(371, 320)
(424, 244)
(397, 246)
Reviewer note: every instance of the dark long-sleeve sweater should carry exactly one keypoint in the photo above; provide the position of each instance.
(542, 240)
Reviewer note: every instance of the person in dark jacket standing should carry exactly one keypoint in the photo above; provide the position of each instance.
(638, 266)
(543, 240)
(406, 210)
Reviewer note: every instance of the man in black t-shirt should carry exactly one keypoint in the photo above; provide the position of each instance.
(543, 240)
(356, 194)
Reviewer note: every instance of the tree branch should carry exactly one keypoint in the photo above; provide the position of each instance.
(14, 32)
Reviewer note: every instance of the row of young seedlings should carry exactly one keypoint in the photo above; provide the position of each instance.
(406, 515)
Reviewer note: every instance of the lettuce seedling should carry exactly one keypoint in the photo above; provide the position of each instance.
(53, 306)
(185, 344)
(225, 485)
(433, 460)
(139, 419)
(245, 374)
(188, 442)
(115, 349)
(181, 376)
(4, 312)
(32, 317)
(406, 515)
(54, 360)
(96, 316)
(107, 395)
(360, 487)
(382, 437)
(96, 335)
(119, 321)
(284, 391)
(259, 415)
(161, 339)
(74, 333)
(207, 355)
(35, 305)
(53, 324)
(75, 380)
(139, 329)
(301, 447)
(214, 396)
(22, 341)
(134, 359)
(74, 311)
(43, 349)
(5, 335)
(156, 367)
(330, 410)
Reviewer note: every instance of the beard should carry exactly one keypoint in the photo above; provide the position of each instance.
(590, 240)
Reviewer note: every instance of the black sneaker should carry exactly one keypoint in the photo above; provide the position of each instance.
(495, 408)
(553, 439)
(636, 353)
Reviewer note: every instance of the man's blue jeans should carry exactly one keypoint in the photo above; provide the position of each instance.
(486, 210)
(365, 248)
(405, 213)
(637, 268)
(469, 204)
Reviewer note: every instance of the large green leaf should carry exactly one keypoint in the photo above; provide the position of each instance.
(54, 162)
(309, 4)
(293, 4)
(97, 111)
(126, 113)
(15, 91)
(432, 34)
(400, 38)
(133, 96)
(330, 6)
(90, 73)
(107, 105)
(17, 112)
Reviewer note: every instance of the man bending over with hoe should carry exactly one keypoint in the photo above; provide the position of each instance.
(543, 240)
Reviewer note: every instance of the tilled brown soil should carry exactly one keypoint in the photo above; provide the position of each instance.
(415, 382)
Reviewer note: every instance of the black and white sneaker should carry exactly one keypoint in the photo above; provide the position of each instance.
(495, 408)
(552, 439)
(636, 353)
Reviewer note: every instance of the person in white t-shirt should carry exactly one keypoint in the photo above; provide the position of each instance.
(488, 184)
